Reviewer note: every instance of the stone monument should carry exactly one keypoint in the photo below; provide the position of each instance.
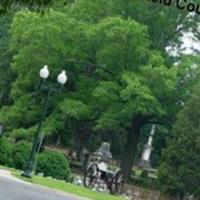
(103, 153)
(99, 176)
(144, 162)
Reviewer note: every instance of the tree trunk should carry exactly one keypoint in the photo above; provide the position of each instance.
(130, 150)
(58, 140)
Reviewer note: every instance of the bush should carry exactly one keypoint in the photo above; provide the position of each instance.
(22, 134)
(145, 182)
(5, 152)
(21, 153)
(53, 164)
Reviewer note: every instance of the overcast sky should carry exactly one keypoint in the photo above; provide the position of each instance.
(190, 43)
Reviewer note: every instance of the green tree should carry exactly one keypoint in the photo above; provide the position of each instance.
(7, 5)
(6, 73)
(5, 152)
(122, 59)
(179, 173)
(134, 100)
(165, 24)
(51, 39)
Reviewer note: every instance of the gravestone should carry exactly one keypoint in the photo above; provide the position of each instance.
(103, 153)
(99, 176)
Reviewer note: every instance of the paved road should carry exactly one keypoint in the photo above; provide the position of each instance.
(12, 189)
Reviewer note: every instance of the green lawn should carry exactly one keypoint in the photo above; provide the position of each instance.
(66, 187)
(8, 168)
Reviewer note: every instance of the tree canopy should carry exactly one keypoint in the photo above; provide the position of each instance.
(179, 172)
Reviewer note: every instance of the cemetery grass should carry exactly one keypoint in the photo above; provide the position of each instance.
(67, 187)
(9, 169)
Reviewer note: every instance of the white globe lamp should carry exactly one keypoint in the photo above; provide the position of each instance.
(62, 77)
(44, 72)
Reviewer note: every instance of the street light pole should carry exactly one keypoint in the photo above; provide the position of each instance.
(62, 78)
(1, 130)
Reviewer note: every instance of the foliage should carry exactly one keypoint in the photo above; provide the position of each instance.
(7, 5)
(145, 182)
(76, 109)
(159, 142)
(53, 164)
(21, 153)
(179, 172)
(5, 152)
(22, 134)
(166, 24)
(6, 73)
(27, 100)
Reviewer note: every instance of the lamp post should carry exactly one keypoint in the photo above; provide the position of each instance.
(62, 79)
(1, 130)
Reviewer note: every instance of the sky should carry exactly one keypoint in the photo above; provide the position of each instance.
(190, 43)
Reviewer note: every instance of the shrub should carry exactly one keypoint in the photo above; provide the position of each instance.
(145, 182)
(53, 164)
(22, 134)
(21, 153)
(5, 152)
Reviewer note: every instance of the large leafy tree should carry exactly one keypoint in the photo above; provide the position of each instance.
(141, 87)
(49, 39)
(179, 173)
(7, 5)
(126, 77)
(165, 24)
(5, 59)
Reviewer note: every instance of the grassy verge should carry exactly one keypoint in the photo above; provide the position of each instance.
(8, 168)
(68, 187)
(65, 187)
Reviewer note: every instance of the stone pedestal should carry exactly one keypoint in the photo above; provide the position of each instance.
(144, 164)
